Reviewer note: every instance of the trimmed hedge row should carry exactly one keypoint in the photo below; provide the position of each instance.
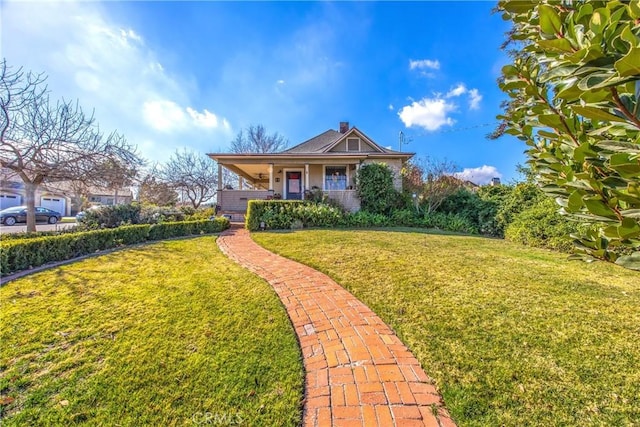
(286, 214)
(16, 255)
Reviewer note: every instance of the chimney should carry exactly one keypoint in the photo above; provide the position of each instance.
(495, 181)
(344, 127)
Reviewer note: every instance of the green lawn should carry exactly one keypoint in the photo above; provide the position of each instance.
(172, 333)
(512, 335)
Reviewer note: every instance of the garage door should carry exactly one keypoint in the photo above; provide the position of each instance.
(9, 200)
(53, 203)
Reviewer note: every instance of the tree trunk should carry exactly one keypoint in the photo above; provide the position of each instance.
(30, 193)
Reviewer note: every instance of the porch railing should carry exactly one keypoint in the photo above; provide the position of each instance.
(237, 200)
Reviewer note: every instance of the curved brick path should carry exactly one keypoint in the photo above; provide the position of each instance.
(358, 373)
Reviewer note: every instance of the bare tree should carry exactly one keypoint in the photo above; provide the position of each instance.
(46, 142)
(116, 175)
(154, 191)
(192, 174)
(255, 139)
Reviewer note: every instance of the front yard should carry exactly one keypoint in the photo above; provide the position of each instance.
(171, 333)
(512, 335)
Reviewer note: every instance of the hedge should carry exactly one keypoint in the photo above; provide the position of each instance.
(286, 214)
(21, 254)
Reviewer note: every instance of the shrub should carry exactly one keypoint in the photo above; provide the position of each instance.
(375, 188)
(21, 254)
(366, 219)
(542, 226)
(283, 214)
(449, 222)
(111, 216)
(405, 217)
(150, 214)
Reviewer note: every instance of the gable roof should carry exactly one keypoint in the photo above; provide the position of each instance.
(317, 144)
(327, 140)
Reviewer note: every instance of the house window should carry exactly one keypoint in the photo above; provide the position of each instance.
(335, 178)
(353, 144)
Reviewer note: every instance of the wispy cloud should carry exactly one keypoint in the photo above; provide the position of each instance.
(480, 175)
(474, 99)
(110, 68)
(421, 64)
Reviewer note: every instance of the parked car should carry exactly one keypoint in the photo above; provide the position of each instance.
(16, 214)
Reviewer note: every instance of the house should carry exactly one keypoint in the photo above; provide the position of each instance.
(61, 197)
(327, 162)
(12, 193)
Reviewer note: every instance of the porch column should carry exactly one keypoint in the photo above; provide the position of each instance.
(219, 177)
(306, 176)
(270, 176)
(240, 180)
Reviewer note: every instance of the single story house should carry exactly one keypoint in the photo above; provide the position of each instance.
(60, 196)
(12, 193)
(327, 162)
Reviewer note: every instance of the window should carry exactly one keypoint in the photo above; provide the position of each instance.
(335, 178)
(353, 144)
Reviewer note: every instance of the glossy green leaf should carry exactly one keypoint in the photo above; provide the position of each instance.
(550, 22)
(629, 65)
(599, 208)
(631, 262)
(556, 45)
(574, 203)
(595, 113)
(634, 9)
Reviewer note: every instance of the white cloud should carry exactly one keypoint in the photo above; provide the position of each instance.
(390, 107)
(421, 64)
(460, 89)
(428, 113)
(474, 99)
(480, 175)
(206, 119)
(108, 66)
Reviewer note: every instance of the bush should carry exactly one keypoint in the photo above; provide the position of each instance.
(150, 214)
(21, 254)
(366, 219)
(449, 222)
(542, 226)
(375, 189)
(111, 216)
(283, 214)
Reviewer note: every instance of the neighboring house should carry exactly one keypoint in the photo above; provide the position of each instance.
(12, 194)
(103, 196)
(328, 162)
(58, 196)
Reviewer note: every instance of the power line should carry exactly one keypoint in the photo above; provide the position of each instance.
(451, 130)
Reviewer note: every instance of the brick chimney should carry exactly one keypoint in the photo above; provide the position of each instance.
(344, 127)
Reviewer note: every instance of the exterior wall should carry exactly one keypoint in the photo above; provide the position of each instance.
(237, 200)
(347, 198)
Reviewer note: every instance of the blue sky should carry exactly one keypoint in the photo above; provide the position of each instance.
(170, 75)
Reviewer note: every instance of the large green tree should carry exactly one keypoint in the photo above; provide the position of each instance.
(574, 89)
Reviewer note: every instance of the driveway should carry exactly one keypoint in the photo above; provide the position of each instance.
(42, 226)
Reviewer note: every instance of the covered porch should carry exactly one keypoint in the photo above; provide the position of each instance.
(275, 177)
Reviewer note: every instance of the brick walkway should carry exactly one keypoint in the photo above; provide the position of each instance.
(358, 373)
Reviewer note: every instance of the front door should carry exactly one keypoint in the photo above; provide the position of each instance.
(293, 185)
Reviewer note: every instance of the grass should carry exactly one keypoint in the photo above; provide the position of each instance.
(512, 336)
(167, 334)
